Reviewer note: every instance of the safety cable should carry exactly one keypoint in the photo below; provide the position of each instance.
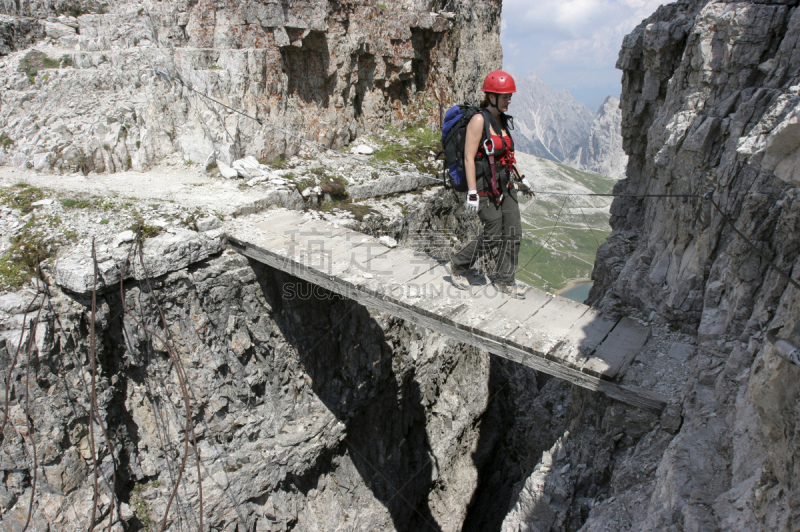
(595, 194)
(763, 256)
(166, 77)
(707, 196)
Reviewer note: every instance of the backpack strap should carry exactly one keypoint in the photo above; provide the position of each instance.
(508, 125)
(489, 148)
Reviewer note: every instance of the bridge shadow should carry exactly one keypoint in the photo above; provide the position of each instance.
(354, 371)
(530, 413)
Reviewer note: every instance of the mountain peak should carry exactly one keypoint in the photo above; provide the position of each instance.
(601, 151)
(550, 124)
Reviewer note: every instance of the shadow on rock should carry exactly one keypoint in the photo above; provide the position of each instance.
(349, 358)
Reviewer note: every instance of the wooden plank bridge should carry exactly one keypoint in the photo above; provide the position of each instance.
(548, 333)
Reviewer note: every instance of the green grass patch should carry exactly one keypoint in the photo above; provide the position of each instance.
(595, 182)
(28, 248)
(334, 185)
(142, 228)
(359, 210)
(301, 183)
(279, 163)
(93, 202)
(410, 145)
(20, 196)
(72, 203)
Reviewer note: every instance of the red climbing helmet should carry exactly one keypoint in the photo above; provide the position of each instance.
(499, 82)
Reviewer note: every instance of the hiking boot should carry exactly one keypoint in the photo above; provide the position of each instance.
(459, 281)
(514, 290)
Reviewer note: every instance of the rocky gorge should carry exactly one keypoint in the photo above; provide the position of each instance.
(312, 412)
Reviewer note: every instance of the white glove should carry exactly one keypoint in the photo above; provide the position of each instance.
(527, 187)
(473, 201)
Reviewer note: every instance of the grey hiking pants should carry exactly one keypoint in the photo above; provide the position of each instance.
(501, 227)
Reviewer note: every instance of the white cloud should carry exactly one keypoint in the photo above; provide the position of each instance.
(570, 41)
(566, 17)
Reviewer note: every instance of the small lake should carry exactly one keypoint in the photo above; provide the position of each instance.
(579, 292)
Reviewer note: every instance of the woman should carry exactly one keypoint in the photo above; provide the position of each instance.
(492, 188)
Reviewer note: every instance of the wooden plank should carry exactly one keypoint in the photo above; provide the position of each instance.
(477, 307)
(391, 273)
(292, 224)
(437, 296)
(513, 312)
(406, 266)
(618, 350)
(347, 255)
(549, 325)
(524, 355)
(292, 236)
(583, 338)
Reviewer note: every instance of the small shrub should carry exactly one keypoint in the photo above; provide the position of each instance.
(214, 66)
(28, 165)
(106, 147)
(145, 231)
(140, 506)
(141, 10)
(138, 84)
(5, 141)
(34, 61)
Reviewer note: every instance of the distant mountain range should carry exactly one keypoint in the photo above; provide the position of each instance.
(553, 125)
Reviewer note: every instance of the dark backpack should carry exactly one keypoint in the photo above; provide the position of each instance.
(454, 137)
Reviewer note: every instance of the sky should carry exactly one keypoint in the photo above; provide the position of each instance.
(571, 44)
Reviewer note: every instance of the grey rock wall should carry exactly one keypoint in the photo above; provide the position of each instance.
(325, 70)
(310, 412)
(708, 104)
(18, 32)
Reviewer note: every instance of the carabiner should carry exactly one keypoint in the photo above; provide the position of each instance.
(485, 142)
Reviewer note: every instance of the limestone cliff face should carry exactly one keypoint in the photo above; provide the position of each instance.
(602, 151)
(709, 103)
(321, 69)
(311, 412)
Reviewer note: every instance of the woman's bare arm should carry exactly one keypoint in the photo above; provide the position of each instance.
(471, 146)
